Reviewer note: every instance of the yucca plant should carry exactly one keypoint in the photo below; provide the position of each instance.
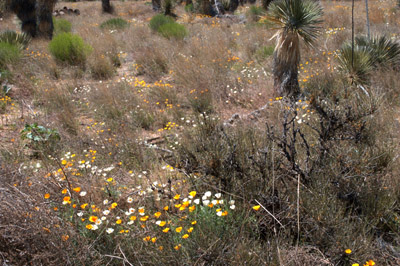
(21, 40)
(358, 69)
(265, 3)
(384, 51)
(296, 21)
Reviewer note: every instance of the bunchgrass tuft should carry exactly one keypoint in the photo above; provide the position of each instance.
(9, 53)
(114, 24)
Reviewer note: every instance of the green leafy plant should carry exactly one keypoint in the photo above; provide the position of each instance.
(40, 139)
(36, 133)
(70, 48)
(114, 24)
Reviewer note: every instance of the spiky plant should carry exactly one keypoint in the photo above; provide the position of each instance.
(357, 70)
(384, 51)
(296, 21)
(21, 40)
(265, 3)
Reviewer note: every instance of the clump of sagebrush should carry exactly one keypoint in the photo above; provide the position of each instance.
(9, 54)
(158, 20)
(70, 48)
(173, 31)
(114, 24)
(61, 25)
(167, 27)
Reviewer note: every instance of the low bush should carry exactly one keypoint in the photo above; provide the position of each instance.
(255, 13)
(114, 24)
(158, 20)
(173, 31)
(9, 53)
(70, 48)
(61, 26)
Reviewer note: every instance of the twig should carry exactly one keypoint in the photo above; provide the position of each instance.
(270, 213)
(205, 252)
(298, 211)
(124, 255)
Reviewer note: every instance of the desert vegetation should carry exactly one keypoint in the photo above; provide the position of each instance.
(200, 133)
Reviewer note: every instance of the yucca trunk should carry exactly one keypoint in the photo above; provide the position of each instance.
(205, 7)
(26, 12)
(286, 63)
(44, 9)
(106, 6)
(233, 5)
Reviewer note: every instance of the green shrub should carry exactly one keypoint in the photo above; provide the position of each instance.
(255, 12)
(264, 52)
(189, 8)
(173, 31)
(9, 53)
(114, 23)
(61, 26)
(158, 20)
(70, 48)
(21, 40)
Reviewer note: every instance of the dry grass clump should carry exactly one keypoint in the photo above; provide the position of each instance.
(151, 52)
(101, 67)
